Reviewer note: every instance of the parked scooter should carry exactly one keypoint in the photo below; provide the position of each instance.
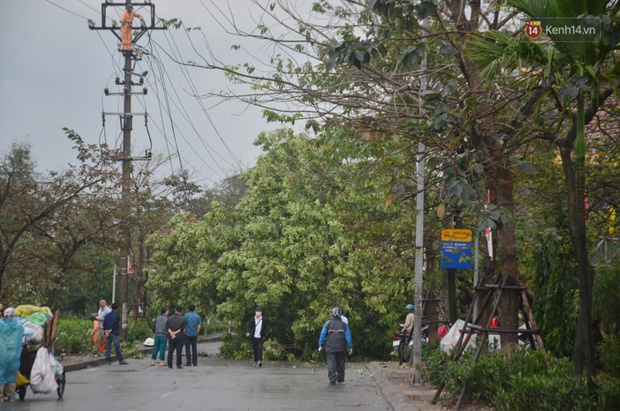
(402, 344)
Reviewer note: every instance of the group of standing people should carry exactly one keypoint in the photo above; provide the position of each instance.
(177, 331)
(108, 332)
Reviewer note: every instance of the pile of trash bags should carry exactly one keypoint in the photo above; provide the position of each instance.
(33, 319)
(17, 343)
(450, 339)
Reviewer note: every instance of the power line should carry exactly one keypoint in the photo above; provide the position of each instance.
(192, 85)
(182, 110)
(67, 10)
(173, 123)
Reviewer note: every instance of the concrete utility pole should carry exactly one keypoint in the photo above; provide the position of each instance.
(125, 33)
(416, 350)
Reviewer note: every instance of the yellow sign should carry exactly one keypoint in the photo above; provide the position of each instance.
(456, 234)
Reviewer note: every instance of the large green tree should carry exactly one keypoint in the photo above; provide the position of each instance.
(314, 230)
(361, 64)
(578, 74)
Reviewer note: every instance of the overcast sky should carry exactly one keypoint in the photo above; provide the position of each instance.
(54, 70)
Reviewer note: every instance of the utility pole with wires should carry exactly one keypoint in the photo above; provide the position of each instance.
(128, 34)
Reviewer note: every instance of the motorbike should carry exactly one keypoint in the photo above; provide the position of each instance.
(402, 343)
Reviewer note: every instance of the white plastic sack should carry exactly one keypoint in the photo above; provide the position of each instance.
(449, 341)
(33, 333)
(42, 378)
(58, 368)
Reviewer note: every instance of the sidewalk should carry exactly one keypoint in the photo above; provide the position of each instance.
(393, 381)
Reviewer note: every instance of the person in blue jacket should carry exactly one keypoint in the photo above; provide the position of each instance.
(192, 331)
(111, 328)
(336, 338)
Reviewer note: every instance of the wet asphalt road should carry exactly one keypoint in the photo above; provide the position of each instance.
(213, 385)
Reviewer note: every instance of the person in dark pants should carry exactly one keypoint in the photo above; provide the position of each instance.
(192, 330)
(256, 331)
(336, 337)
(111, 329)
(160, 334)
(176, 336)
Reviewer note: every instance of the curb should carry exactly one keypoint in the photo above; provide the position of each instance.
(393, 395)
(144, 350)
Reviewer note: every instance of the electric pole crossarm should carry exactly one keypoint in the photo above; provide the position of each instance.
(123, 114)
(115, 26)
(111, 93)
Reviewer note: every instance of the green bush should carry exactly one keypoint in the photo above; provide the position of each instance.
(215, 326)
(129, 347)
(274, 351)
(73, 336)
(518, 380)
(609, 356)
(235, 347)
(554, 389)
(433, 360)
(606, 298)
(608, 392)
(138, 333)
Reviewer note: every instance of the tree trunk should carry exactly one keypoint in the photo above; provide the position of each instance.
(430, 309)
(509, 317)
(500, 177)
(583, 350)
(138, 283)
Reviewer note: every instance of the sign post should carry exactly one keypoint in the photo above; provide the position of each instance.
(456, 248)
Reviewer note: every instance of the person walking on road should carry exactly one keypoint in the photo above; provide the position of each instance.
(100, 340)
(160, 335)
(192, 330)
(336, 337)
(256, 331)
(176, 328)
(111, 328)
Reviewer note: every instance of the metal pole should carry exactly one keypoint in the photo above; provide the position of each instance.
(476, 262)
(114, 285)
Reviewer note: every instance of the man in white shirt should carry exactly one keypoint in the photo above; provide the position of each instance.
(100, 336)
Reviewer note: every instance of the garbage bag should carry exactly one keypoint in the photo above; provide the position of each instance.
(449, 341)
(42, 379)
(58, 368)
(33, 333)
(10, 350)
(38, 318)
(27, 310)
(21, 380)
